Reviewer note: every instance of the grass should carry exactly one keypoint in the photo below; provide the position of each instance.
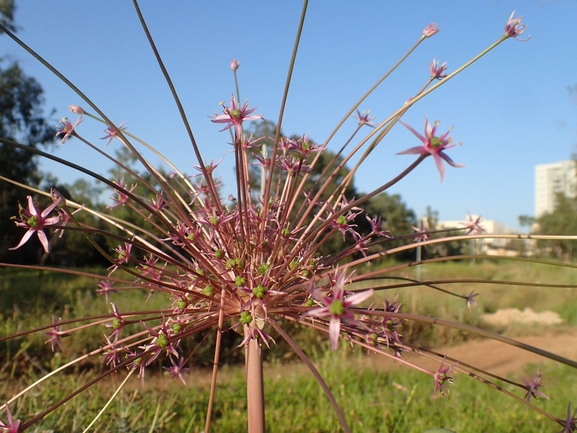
(373, 400)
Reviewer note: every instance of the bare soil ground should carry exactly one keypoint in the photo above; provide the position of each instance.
(489, 355)
(503, 359)
(543, 330)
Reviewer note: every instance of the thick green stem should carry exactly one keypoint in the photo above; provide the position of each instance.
(254, 385)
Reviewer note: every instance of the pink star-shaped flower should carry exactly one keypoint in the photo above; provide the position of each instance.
(336, 307)
(441, 376)
(235, 115)
(13, 426)
(111, 132)
(473, 226)
(177, 369)
(35, 221)
(365, 118)
(66, 128)
(437, 70)
(432, 145)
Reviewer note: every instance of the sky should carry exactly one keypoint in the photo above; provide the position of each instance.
(511, 110)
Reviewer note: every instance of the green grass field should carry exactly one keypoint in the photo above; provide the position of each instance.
(395, 400)
(373, 401)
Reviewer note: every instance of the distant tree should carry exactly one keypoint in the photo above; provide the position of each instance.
(7, 9)
(398, 221)
(431, 218)
(561, 221)
(264, 132)
(397, 217)
(21, 120)
(527, 220)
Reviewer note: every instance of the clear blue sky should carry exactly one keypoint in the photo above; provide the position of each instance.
(511, 110)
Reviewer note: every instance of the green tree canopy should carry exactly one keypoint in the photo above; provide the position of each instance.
(21, 120)
(561, 221)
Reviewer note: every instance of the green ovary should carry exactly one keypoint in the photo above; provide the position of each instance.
(245, 317)
(337, 308)
(162, 340)
(436, 142)
(32, 222)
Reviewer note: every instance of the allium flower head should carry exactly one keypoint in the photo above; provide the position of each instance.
(432, 145)
(105, 288)
(271, 255)
(421, 233)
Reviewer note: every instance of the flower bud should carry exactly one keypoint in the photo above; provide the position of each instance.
(431, 30)
(234, 64)
(76, 109)
(57, 197)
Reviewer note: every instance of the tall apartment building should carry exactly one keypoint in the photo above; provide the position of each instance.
(551, 179)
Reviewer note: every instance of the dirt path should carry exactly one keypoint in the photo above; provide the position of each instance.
(503, 359)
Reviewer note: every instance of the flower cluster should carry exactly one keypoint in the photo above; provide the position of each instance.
(257, 261)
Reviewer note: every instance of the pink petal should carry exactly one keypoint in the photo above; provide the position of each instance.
(418, 150)
(440, 165)
(31, 208)
(49, 209)
(410, 128)
(318, 312)
(449, 160)
(43, 240)
(23, 240)
(334, 332)
(357, 298)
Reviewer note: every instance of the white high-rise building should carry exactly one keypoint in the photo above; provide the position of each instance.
(551, 179)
